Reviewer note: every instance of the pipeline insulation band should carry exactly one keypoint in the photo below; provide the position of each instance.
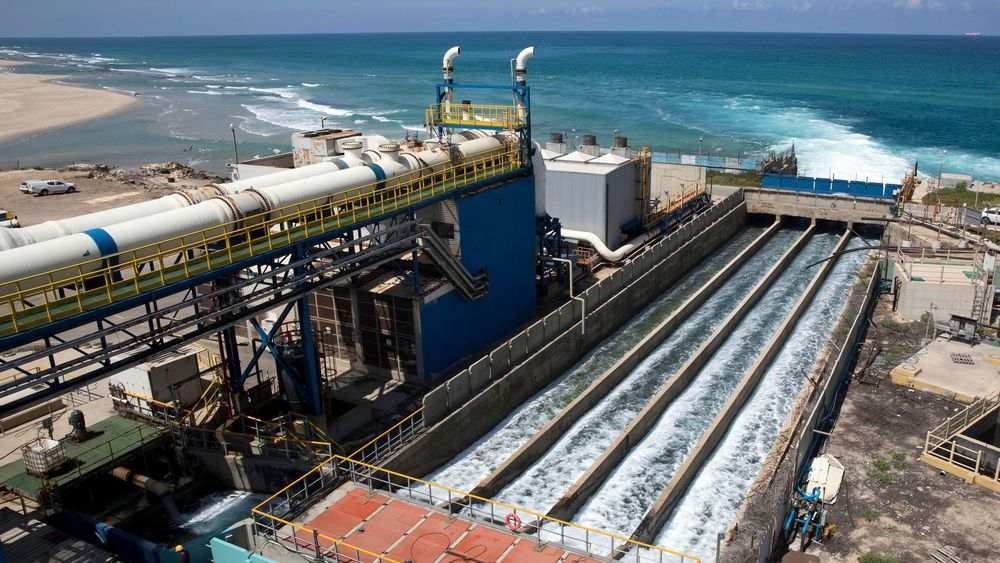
(339, 163)
(105, 244)
(379, 174)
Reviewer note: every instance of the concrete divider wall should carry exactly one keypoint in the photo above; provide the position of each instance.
(549, 352)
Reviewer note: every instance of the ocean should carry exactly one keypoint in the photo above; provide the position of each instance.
(856, 106)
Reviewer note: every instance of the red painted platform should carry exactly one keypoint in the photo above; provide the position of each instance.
(405, 531)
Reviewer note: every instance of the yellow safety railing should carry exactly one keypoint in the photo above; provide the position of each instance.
(673, 205)
(455, 114)
(40, 299)
(945, 447)
(392, 440)
(306, 490)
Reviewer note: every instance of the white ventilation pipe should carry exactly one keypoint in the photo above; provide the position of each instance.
(613, 256)
(521, 63)
(221, 212)
(448, 71)
(447, 63)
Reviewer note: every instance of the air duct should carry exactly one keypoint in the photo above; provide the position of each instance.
(521, 64)
(613, 256)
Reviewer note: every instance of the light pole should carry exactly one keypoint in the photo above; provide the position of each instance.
(700, 141)
(236, 151)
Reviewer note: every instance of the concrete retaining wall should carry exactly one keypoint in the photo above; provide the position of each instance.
(550, 349)
(246, 473)
(829, 207)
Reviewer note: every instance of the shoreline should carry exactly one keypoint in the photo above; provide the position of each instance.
(33, 103)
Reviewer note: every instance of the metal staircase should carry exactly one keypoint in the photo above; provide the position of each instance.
(472, 287)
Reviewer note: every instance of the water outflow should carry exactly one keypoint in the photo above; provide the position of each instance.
(541, 486)
(481, 458)
(714, 497)
(622, 501)
(217, 510)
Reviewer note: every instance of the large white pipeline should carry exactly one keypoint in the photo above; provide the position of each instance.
(13, 238)
(217, 212)
(613, 256)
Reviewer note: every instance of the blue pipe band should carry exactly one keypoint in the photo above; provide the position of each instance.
(379, 174)
(105, 244)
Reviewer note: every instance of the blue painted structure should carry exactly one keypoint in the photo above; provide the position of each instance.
(225, 552)
(497, 235)
(826, 186)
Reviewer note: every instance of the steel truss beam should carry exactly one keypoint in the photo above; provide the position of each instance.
(98, 346)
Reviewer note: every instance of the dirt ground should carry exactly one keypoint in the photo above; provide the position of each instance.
(892, 504)
(93, 193)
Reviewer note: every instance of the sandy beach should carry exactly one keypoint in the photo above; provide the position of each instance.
(31, 103)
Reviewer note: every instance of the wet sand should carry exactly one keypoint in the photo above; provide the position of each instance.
(32, 103)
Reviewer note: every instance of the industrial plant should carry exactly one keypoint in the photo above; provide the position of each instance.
(480, 343)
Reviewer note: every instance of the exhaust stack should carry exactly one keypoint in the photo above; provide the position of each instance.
(521, 64)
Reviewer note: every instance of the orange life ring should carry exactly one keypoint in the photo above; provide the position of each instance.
(513, 521)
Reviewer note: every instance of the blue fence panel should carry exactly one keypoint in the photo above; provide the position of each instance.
(826, 186)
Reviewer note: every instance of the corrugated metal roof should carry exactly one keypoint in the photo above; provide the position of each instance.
(549, 155)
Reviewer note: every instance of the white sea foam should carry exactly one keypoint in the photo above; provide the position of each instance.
(173, 71)
(321, 108)
(284, 117)
(310, 85)
(205, 92)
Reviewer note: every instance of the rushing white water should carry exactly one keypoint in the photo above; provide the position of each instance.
(716, 494)
(217, 508)
(546, 480)
(625, 496)
(482, 457)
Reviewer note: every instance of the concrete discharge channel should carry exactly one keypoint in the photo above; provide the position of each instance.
(575, 448)
(475, 463)
(743, 459)
(618, 452)
(604, 384)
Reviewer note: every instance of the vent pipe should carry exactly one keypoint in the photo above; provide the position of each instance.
(521, 64)
(448, 71)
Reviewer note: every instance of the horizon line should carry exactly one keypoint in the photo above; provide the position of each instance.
(967, 34)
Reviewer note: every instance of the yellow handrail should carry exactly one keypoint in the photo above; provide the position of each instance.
(459, 494)
(453, 114)
(419, 411)
(238, 240)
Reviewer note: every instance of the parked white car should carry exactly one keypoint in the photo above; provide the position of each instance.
(46, 187)
(8, 220)
(990, 216)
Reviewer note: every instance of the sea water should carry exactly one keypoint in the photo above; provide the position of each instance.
(856, 106)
